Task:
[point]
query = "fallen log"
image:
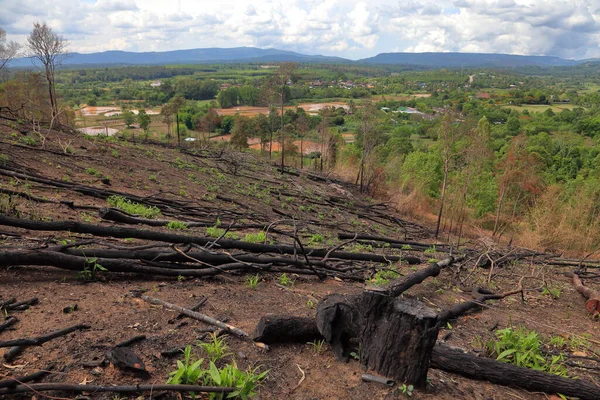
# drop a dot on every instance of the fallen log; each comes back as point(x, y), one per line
point(480, 296)
point(414, 245)
point(40, 340)
point(112, 214)
point(397, 287)
point(36, 376)
point(592, 305)
point(10, 321)
point(284, 329)
point(77, 264)
point(196, 315)
point(471, 366)
point(66, 387)
point(120, 232)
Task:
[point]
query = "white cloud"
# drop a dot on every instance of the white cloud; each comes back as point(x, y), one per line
point(350, 28)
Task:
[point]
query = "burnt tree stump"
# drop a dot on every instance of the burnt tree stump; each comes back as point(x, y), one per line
point(397, 337)
point(284, 329)
point(338, 320)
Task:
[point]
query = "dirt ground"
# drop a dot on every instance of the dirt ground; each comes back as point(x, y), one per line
point(114, 314)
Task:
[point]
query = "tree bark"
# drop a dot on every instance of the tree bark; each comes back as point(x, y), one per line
point(457, 361)
point(285, 329)
point(592, 305)
point(397, 337)
point(197, 315)
point(119, 232)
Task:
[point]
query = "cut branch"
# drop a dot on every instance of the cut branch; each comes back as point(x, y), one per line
point(196, 315)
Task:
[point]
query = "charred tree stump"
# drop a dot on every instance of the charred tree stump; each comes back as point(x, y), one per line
point(397, 337)
point(285, 329)
point(338, 320)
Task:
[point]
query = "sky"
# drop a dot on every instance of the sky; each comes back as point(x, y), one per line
point(345, 28)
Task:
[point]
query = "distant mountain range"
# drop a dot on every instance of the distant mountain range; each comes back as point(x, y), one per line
point(253, 54)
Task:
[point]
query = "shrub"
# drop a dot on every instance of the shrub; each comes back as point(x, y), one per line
point(131, 207)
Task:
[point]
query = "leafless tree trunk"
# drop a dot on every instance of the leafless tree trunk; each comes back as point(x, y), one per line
point(48, 48)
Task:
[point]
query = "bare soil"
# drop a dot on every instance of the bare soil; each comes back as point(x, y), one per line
point(107, 304)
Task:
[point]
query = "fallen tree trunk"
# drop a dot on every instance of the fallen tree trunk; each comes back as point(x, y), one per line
point(480, 296)
point(414, 245)
point(196, 315)
point(592, 305)
point(119, 232)
point(40, 340)
point(77, 264)
point(285, 329)
point(66, 387)
point(10, 321)
point(36, 376)
point(112, 214)
point(481, 368)
point(397, 287)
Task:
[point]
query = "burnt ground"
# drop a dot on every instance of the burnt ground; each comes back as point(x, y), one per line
point(241, 187)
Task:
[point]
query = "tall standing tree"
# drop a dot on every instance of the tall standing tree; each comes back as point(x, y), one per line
point(50, 50)
point(279, 83)
point(368, 137)
point(8, 50)
point(448, 136)
point(176, 104)
point(144, 121)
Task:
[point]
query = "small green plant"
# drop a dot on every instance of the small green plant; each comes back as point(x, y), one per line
point(355, 355)
point(285, 280)
point(216, 349)
point(554, 293)
point(3, 159)
point(317, 345)
point(188, 372)
point(176, 225)
point(259, 237)
point(558, 341)
point(432, 260)
point(153, 178)
point(524, 349)
point(430, 250)
point(310, 304)
point(131, 207)
point(383, 277)
point(252, 281)
point(407, 390)
point(93, 172)
point(406, 247)
point(90, 269)
point(244, 382)
point(114, 153)
point(28, 140)
point(316, 238)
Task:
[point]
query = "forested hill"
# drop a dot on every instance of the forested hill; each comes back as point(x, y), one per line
point(192, 56)
point(457, 60)
point(254, 54)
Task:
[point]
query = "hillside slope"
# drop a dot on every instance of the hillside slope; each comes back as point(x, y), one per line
point(231, 197)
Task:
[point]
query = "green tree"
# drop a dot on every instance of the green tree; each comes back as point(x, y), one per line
point(242, 129)
point(144, 121)
point(128, 118)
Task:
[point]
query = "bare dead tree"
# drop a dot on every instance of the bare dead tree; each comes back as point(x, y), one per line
point(8, 50)
point(49, 49)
